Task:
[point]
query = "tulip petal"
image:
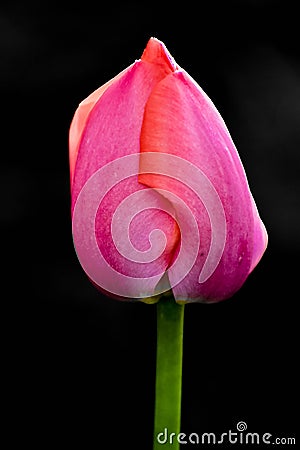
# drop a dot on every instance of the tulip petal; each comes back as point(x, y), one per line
point(157, 54)
point(260, 240)
point(108, 133)
point(80, 118)
point(181, 120)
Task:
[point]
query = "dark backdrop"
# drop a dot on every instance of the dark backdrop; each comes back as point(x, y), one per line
point(80, 366)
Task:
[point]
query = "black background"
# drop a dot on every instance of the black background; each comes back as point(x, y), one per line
point(80, 366)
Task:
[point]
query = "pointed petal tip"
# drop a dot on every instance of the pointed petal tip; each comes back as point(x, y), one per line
point(157, 53)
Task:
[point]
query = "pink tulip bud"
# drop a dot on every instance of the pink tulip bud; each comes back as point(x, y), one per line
point(160, 199)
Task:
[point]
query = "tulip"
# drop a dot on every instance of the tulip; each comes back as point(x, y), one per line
point(161, 207)
point(159, 197)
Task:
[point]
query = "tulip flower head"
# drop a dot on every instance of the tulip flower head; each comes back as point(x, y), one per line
point(159, 197)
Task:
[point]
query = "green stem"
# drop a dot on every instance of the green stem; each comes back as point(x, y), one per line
point(170, 318)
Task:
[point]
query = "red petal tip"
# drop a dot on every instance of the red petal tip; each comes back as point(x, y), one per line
point(157, 53)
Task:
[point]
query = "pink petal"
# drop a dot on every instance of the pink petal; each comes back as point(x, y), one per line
point(260, 240)
point(80, 118)
point(181, 120)
point(106, 168)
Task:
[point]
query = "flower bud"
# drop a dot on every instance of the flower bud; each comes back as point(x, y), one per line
point(159, 197)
